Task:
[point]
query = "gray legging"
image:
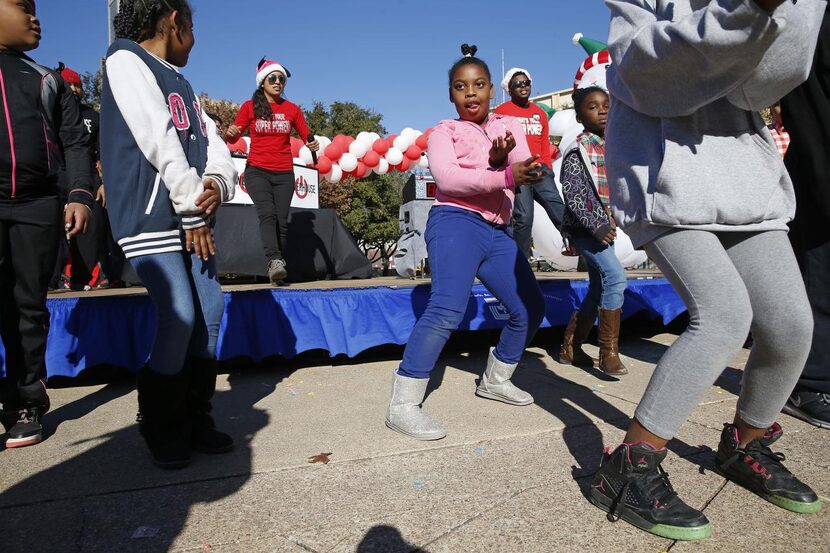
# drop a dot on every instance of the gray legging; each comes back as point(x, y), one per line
point(731, 283)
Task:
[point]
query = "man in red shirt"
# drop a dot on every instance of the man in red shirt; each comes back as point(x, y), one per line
point(517, 83)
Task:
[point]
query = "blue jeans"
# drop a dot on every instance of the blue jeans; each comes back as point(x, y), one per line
point(189, 306)
point(547, 195)
point(606, 276)
point(462, 245)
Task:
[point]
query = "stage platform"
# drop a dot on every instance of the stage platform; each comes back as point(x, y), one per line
point(115, 327)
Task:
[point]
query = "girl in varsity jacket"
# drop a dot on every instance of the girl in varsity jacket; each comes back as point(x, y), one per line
point(167, 172)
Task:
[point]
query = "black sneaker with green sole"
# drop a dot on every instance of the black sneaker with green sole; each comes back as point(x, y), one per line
point(758, 469)
point(631, 485)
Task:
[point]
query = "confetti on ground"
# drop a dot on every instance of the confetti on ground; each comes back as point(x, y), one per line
point(478, 450)
point(292, 393)
point(311, 393)
point(419, 485)
point(321, 458)
point(143, 532)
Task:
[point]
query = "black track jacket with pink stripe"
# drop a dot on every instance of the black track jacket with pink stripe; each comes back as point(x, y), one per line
point(41, 134)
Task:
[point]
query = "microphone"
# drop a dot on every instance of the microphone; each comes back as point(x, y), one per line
point(310, 138)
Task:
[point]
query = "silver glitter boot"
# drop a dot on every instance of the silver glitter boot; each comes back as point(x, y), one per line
point(495, 383)
point(405, 414)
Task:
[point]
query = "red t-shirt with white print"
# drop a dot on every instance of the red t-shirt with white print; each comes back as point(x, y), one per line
point(534, 121)
point(270, 144)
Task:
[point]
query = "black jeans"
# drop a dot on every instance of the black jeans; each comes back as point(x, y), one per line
point(547, 195)
point(272, 192)
point(29, 231)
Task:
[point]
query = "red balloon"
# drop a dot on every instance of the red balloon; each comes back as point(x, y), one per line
point(323, 164)
point(296, 144)
point(391, 138)
point(404, 165)
point(341, 142)
point(413, 152)
point(380, 146)
point(349, 140)
point(371, 158)
point(421, 141)
point(333, 151)
point(361, 170)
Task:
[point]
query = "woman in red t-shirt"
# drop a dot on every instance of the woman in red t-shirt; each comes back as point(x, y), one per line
point(269, 174)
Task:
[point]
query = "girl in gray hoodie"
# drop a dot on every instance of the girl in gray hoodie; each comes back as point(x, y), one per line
point(697, 182)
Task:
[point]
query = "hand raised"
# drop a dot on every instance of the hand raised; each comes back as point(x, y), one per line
point(527, 171)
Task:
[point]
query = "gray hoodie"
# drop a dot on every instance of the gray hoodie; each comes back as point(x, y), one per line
point(685, 146)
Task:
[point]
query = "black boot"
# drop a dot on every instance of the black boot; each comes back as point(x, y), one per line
point(631, 485)
point(204, 437)
point(759, 470)
point(162, 417)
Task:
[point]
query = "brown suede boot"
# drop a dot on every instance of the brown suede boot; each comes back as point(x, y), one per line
point(575, 335)
point(609, 349)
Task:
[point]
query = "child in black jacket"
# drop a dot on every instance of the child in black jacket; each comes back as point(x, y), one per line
point(43, 133)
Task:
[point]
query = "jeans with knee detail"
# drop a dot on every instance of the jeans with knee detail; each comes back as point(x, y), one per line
point(189, 306)
point(607, 282)
point(462, 246)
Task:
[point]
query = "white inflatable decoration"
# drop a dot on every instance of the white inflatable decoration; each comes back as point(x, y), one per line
point(305, 156)
point(546, 238)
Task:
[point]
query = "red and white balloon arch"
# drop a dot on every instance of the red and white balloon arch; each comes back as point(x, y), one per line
point(359, 156)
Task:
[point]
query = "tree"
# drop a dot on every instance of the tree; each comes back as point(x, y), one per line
point(342, 118)
point(92, 84)
point(373, 215)
point(223, 110)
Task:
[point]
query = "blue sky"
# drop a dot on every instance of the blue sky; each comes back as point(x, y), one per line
point(391, 56)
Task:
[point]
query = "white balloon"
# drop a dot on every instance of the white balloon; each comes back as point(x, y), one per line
point(348, 161)
point(382, 167)
point(335, 174)
point(374, 136)
point(394, 155)
point(367, 141)
point(305, 155)
point(402, 143)
point(423, 161)
point(408, 132)
point(361, 136)
point(298, 161)
point(323, 141)
point(358, 149)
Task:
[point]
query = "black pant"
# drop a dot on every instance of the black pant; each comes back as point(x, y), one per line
point(272, 192)
point(544, 192)
point(29, 231)
point(811, 243)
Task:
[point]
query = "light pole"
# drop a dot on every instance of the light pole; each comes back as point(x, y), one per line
point(112, 9)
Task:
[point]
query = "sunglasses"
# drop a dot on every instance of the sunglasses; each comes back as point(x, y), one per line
point(274, 78)
point(521, 84)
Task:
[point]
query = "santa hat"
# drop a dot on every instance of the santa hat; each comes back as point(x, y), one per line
point(71, 77)
point(505, 82)
point(266, 67)
point(591, 72)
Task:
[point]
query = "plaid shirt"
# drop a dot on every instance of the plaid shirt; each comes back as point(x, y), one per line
point(595, 146)
point(781, 138)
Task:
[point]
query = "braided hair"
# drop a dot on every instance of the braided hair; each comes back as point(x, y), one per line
point(137, 20)
point(468, 51)
point(580, 94)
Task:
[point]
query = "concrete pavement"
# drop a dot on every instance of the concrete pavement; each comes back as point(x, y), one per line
point(506, 479)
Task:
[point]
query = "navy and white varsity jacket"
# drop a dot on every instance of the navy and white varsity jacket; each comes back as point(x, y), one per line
point(43, 133)
point(156, 147)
